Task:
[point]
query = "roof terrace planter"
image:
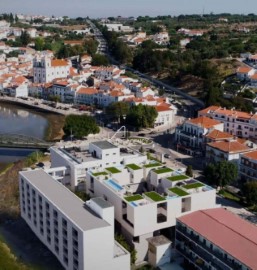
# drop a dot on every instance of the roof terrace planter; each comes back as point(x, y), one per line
point(112, 170)
point(177, 178)
point(99, 173)
point(163, 170)
point(154, 196)
point(193, 185)
point(152, 165)
point(178, 191)
point(133, 167)
point(133, 198)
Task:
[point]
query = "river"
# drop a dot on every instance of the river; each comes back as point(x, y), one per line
point(18, 120)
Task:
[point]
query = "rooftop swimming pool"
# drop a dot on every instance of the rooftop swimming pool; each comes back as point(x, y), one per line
point(133, 204)
point(114, 185)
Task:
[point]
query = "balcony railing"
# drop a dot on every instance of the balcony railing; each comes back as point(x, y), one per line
point(226, 264)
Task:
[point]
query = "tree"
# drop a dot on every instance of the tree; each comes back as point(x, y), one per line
point(141, 116)
point(80, 126)
point(25, 38)
point(118, 109)
point(189, 171)
point(100, 60)
point(221, 173)
point(39, 43)
point(250, 192)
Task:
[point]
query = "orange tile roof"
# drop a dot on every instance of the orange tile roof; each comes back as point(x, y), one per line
point(59, 63)
point(254, 76)
point(87, 91)
point(204, 121)
point(116, 93)
point(218, 135)
point(244, 70)
point(162, 108)
point(224, 111)
point(251, 155)
point(229, 146)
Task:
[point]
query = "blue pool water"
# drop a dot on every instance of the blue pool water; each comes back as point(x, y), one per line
point(114, 185)
point(207, 188)
point(171, 197)
point(133, 204)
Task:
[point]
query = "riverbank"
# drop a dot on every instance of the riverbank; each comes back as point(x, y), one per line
point(55, 121)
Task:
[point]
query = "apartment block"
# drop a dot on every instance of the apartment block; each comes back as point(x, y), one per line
point(94, 155)
point(79, 234)
point(216, 239)
point(237, 123)
point(248, 166)
point(148, 197)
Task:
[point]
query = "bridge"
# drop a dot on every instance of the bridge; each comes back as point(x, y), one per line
point(22, 141)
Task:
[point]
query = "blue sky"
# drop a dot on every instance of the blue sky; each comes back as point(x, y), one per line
point(105, 8)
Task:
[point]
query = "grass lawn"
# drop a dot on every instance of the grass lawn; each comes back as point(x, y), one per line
point(177, 178)
point(133, 166)
point(178, 191)
point(113, 170)
point(193, 185)
point(163, 170)
point(99, 173)
point(152, 165)
point(229, 195)
point(154, 196)
point(133, 198)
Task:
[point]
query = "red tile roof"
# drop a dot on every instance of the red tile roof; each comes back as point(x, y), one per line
point(229, 146)
point(204, 121)
point(218, 135)
point(58, 63)
point(87, 91)
point(227, 231)
point(251, 155)
point(162, 108)
point(244, 70)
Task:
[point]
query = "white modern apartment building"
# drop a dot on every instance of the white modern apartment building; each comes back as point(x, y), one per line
point(46, 69)
point(95, 155)
point(148, 198)
point(80, 234)
point(237, 123)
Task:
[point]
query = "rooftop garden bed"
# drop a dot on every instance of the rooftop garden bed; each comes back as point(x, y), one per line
point(163, 170)
point(177, 178)
point(154, 196)
point(133, 166)
point(194, 185)
point(180, 192)
point(99, 173)
point(112, 170)
point(133, 198)
point(152, 165)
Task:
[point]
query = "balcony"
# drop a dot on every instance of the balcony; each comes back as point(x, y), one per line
point(223, 262)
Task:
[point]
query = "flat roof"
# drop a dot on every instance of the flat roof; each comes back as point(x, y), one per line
point(159, 240)
point(226, 230)
point(101, 202)
point(64, 200)
point(104, 145)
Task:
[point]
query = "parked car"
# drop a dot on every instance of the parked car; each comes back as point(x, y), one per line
point(166, 155)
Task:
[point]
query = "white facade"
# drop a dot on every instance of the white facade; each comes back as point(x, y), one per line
point(237, 123)
point(165, 117)
point(80, 235)
point(132, 213)
point(93, 156)
point(45, 70)
point(19, 91)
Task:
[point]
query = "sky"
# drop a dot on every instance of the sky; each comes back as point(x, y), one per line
point(126, 8)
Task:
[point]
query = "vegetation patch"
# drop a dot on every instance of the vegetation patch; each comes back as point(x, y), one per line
point(112, 170)
point(154, 196)
point(163, 170)
point(133, 198)
point(133, 167)
point(193, 185)
point(226, 194)
point(100, 173)
point(178, 191)
point(177, 178)
point(152, 165)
